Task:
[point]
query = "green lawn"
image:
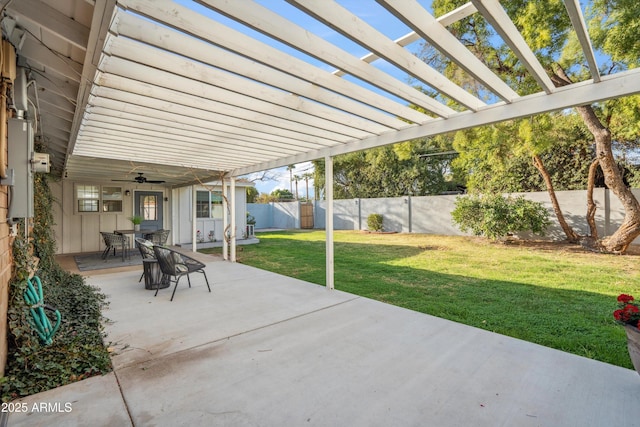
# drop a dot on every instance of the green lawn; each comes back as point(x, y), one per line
point(561, 297)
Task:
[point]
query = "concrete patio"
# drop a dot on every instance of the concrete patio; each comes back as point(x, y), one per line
point(267, 350)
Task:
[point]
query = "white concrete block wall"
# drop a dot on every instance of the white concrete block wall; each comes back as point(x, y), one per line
point(432, 214)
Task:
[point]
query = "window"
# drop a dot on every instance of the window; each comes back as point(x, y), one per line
point(111, 199)
point(208, 204)
point(88, 198)
point(202, 204)
point(96, 198)
point(149, 208)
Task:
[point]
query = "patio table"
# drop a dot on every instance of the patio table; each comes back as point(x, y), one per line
point(134, 233)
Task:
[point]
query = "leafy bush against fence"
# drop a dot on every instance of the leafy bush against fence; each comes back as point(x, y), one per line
point(496, 216)
point(374, 222)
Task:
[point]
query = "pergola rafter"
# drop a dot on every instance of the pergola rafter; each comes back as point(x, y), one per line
point(252, 85)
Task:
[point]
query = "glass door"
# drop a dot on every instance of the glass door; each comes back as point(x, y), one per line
point(148, 204)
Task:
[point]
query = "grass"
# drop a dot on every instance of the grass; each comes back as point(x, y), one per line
point(555, 295)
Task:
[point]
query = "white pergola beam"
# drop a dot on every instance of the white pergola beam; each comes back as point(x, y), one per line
point(53, 21)
point(244, 145)
point(580, 27)
point(56, 122)
point(583, 93)
point(166, 144)
point(273, 25)
point(56, 101)
point(328, 197)
point(423, 23)
point(64, 88)
point(225, 220)
point(263, 113)
point(312, 137)
point(213, 141)
point(189, 21)
point(33, 50)
point(232, 190)
point(340, 19)
point(53, 109)
point(493, 12)
point(283, 86)
point(118, 150)
point(175, 120)
point(194, 218)
point(218, 100)
point(445, 20)
point(102, 14)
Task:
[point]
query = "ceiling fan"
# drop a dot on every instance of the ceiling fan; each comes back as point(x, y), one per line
point(140, 179)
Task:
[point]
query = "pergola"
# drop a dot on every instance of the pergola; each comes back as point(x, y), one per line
point(213, 88)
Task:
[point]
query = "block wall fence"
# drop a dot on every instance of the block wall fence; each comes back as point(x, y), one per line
point(432, 214)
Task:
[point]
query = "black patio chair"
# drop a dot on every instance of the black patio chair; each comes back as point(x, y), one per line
point(158, 237)
point(146, 251)
point(174, 265)
point(114, 241)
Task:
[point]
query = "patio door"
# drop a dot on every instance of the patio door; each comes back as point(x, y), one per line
point(148, 204)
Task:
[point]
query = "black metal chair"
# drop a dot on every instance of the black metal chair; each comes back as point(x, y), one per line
point(146, 251)
point(114, 241)
point(174, 264)
point(158, 237)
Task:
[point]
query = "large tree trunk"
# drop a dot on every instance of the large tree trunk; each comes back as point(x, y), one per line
point(619, 241)
point(630, 228)
point(572, 236)
point(591, 205)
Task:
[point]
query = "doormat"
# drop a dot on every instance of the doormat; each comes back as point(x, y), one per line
point(94, 261)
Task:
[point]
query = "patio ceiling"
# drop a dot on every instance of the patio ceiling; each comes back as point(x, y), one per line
point(193, 90)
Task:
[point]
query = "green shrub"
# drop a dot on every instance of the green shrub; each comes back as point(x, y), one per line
point(374, 222)
point(496, 216)
point(78, 349)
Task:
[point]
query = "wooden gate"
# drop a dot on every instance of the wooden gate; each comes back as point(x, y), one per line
point(306, 215)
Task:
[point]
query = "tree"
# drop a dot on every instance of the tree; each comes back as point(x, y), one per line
point(546, 28)
point(411, 168)
point(491, 152)
point(252, 194)
point(490, 168)
point(265, 198)
point(290, 168)
point(296, 179)
point(307, 176)
point(282, 195)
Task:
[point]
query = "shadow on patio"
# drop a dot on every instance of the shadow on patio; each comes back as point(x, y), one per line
point(263, 349)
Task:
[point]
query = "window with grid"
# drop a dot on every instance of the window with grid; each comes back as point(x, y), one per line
point(95, 198)
point(202, 204)
point(208, 204)
point(88, 197)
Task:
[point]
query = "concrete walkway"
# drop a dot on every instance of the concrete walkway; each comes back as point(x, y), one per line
point(267, 350)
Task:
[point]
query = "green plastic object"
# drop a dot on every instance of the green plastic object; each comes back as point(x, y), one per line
point(39, 319)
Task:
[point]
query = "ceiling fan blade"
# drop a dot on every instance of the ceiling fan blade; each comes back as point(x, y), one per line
point(149, 181)
point(123, 180)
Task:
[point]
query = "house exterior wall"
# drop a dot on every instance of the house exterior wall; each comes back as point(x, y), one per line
point(6, 264)
point(80, 232)
point(182, 201)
